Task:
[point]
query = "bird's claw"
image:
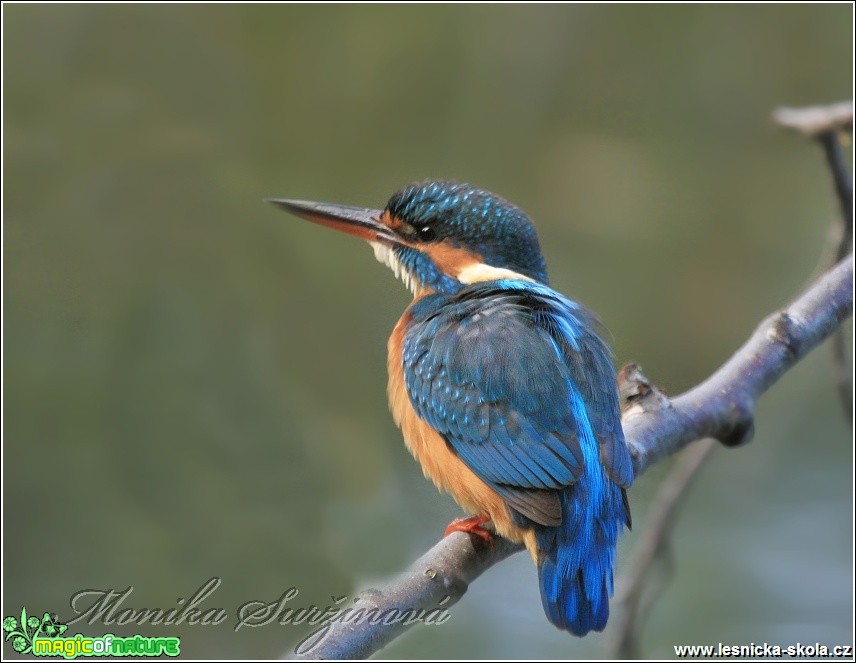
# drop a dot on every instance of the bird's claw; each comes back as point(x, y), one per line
point(471, 525)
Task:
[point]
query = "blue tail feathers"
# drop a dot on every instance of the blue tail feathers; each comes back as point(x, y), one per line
point(575, 569)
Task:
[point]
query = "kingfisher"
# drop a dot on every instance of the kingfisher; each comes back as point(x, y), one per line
point(504, 389)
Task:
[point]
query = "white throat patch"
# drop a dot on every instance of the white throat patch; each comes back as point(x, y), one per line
point(386, 255)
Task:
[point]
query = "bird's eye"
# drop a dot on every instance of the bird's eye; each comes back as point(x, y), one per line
point(426, 233)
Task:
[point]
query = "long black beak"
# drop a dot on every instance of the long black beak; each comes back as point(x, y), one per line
point(358, 221)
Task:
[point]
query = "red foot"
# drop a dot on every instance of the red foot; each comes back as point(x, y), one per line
point(471, 525)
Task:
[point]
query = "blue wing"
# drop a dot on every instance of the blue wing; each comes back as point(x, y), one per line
point(499, 369)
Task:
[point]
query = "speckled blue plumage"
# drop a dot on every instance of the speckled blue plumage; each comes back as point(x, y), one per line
point(515, 378)
point(468, 216)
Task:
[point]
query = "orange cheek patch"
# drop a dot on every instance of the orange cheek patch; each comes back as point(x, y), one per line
point(451, 260)
point(391, 222)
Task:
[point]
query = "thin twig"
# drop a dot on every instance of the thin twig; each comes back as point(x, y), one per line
point(843, 183)
point(826, 124)
point(844, 191)
point(814, 120)
point(842, 374)
point(653, 546)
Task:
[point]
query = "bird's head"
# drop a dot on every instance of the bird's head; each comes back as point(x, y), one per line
point(439, 235)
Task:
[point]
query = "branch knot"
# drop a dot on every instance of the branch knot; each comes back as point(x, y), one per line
point(784, 330)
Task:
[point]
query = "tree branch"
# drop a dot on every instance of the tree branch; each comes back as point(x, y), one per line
point(722, 407)
point(826, 124)
point(650, 566)
point(424, 592)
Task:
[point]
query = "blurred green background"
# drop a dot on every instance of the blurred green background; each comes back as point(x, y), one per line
point(195, 382)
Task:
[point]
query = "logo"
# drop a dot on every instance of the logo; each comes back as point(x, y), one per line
point(22, 634)
point(46, 637)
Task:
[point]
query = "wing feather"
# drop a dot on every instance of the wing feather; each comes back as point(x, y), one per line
point(498, 369)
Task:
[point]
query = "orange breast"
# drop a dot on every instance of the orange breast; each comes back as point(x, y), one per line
point(439, 462)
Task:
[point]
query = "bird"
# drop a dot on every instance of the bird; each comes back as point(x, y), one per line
point(504, 389)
